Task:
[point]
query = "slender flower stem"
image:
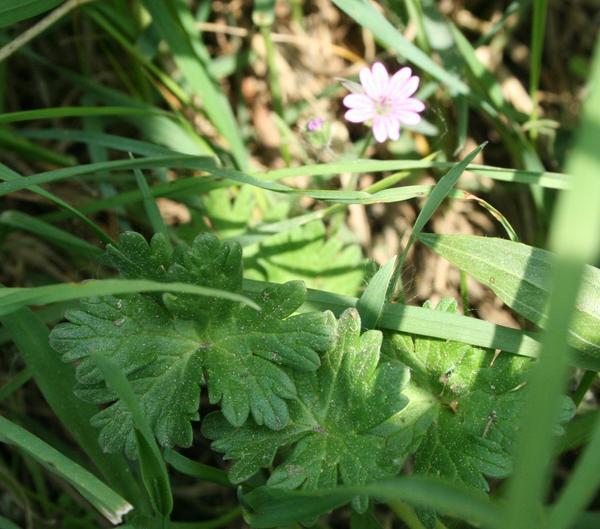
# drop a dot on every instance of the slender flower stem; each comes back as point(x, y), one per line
point(367, 143)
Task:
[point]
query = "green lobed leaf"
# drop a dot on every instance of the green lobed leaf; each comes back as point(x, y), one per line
point(521, 276)
point(330, 439)
point(465, 402)
point(306, 253)
point(168, 344)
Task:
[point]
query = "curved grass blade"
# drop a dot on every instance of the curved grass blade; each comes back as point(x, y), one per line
point(110, 504)
point(275, 507)
point(178, 160)
point(426, 322)
point(44, 230)
point(166, 17)
point(197, 470)
point(110, 141)
point(56, 380)
point(152, 211)
point(12, 11)
point(152, 466)
point(7, 174)
point(541, 178)
point(64, 112)
point(12, 299)
point(434, 200)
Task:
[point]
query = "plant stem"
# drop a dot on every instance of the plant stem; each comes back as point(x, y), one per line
point(584, 384)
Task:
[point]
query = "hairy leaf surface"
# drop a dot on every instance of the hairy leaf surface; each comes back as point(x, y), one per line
point(168, 345)
point(331, 437)
point(464, 410)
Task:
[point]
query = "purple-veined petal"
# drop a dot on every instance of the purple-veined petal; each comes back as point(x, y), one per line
point(379, 129)
point(368, 83)
point(358, 115)
point(409, 118)
point(408, 88)
point(381, 79)
point(398, 80)
point(358, 101)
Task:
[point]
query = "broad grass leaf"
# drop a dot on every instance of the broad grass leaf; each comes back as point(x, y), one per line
point(521, 276)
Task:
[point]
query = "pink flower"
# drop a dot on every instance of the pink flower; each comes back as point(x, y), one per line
point(385, 101)
point(314, 124)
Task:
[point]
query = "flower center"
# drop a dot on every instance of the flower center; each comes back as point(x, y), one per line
point(384, 106)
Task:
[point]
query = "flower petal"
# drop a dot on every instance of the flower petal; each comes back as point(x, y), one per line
point(368, 82)
point(393, 128)
point(381, 78)
point(358, 115)
point(411, 104)
point(408, 118)
point(358, 101)
point(398, 80)
point(379, 129)
point(408, 88)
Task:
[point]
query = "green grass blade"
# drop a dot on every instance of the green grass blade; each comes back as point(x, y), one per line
point(7, 174)
point(180, 187)
point(578, 432)
point(12, 299)
point(540, 8)
point(12, 11)
point(110, 141)
point(215, 104)
point(370, 303)
point(541, 178)
point(370, 18)
point(181, 160)
point(575, 240)
point(435, 199)
point(5, 523)
point(30, 151)
point(64, 112)
point(152, 465)
point(521, 276)
point(197, 470)
point(582, 486)
point(110, 504)
point(44, 230)
point(139, 57)
point(275, 507)
point(426, 322)
point(486, 83)
point(439, 193)
point(152, 211)
point(56, 381)
point(17, 381)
